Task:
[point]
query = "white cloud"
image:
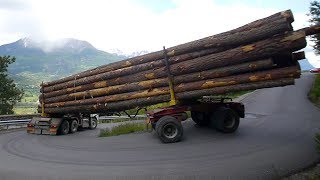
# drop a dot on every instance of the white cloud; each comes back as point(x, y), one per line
point(125, 25)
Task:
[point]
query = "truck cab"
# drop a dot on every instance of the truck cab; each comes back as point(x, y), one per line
point(61, 125)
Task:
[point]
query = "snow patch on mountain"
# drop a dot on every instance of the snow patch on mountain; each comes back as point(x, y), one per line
point(128, 54)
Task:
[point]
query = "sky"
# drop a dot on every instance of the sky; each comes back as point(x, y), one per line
point(135, 25)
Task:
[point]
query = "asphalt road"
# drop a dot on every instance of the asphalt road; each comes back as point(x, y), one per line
point(275, 139)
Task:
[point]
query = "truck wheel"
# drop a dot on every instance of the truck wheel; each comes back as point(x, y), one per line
point(200, 118)
point(73, 126)
point(64, 127)
point(169, 129)
point(94, 123)
point(225, 120)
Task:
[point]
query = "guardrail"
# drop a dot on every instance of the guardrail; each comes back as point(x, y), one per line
point(7, 121)
point(16, 117)
point(15, 121)
point(19, 122)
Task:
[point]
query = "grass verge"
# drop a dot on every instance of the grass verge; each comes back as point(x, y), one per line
point(314, 94)
point(25, 110)
point(123, 129)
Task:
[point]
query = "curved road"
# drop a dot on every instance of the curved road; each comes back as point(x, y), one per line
point(276, 138)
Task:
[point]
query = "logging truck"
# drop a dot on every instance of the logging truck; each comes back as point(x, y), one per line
point(260, 54)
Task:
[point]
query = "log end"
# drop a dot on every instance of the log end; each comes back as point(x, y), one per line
point(288, 15)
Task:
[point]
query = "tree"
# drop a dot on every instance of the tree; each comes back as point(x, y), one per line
point(315, 20)
point(9, 93)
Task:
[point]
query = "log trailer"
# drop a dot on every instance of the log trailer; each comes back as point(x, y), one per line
point(219, 113)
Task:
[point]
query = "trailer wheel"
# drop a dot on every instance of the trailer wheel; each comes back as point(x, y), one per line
point(200, 118)
point(169, 129)
point(94, 123)
point(225, 120)
point(64, 127)
point(73, 126)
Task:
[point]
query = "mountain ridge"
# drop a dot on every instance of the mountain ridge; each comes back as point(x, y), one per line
point(66, 55)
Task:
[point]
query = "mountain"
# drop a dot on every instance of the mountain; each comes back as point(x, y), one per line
point(38, 61)
point(62, 57)
point(305, 65)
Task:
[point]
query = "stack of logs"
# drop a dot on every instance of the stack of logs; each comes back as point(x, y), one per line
point(257, 55)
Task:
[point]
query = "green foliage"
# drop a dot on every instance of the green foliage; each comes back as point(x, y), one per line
point(236, 94)
point(123, 129)
point(315, 20)
point(314, 94)
point(9, 93)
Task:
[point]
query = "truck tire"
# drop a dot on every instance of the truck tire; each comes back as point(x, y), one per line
point(225, 120)
point(200, 118)
point(73, 126)
point(64, 127)
point(94, 123)
point(169, 129)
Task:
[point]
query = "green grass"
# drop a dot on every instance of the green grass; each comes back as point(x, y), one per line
point(24, 110)
point(237, 94)
point(123, 129)
point(28, 104)
point(314, 94)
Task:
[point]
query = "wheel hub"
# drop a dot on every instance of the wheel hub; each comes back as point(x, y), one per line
point(229, 122)
point(170, 131)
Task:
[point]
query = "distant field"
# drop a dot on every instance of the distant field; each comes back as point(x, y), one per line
point(28, 104)
point(25, 110)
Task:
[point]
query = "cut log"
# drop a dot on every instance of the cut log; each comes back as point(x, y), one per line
point(129, 104)
point(311, 30)
point(298, 56)
point(288, 42)
point(89, 91)
point(254, 31)
point(183, 87)
point(139, 68)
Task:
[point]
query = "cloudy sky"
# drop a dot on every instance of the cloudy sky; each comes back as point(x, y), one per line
point(132, 25)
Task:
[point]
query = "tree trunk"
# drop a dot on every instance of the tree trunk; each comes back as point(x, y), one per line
point(288, 42)
point(183, 87)
point(129, 104)
point(311, 30)
point(86, 91)
point(298, 56)
point(257, 30)
point(112, 87)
